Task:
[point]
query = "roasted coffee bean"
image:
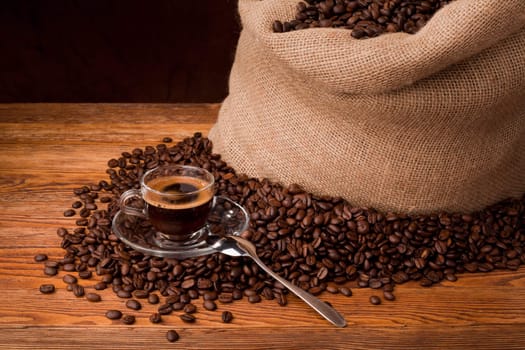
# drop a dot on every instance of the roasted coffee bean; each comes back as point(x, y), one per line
point(209, 305)
point(86, 274)
point(190, 308)
point(40, 257)
point(47, 288)
point(69, 213)
point(172, 336)
point(155, 318)
point(50, 271)
point(69, 279)
point(165, 309)
point(389, 296)
point(188, 318)
point(225, 298)
point(226, 316)
point(133, 304)
point(114, 314)
point(153, 299)
point(128, 319)
point(364, 18)
point(318, 243)
point(347, 292)
point(256, 298)
point(167, 139)
point(141, 294)
point(375, 300)
point(125, 294)
point(78, 290)
point(93, 297)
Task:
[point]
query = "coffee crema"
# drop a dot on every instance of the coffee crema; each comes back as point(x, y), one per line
point(178, 205)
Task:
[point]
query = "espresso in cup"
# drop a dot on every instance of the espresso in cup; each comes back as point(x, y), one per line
point(178, 205)
point(178, 200)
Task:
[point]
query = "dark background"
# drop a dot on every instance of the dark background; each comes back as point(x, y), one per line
point(116, 50)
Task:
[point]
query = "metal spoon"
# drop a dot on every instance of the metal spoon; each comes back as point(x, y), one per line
point(237, 246)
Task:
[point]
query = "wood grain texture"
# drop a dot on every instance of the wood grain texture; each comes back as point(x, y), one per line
point(47, 150)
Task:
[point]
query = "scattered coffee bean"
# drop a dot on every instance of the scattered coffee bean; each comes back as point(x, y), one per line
point(172, 336)
point(153, 299)
point(190, 308)
point(188, 318)
point(347, 292)
point(389, 296)
point(50, 271)
point(141, 294)
point(114, 314)
point(69, 213)
point(40, 257)
point(320, 243)
point(93, 297)
point(47, 288)
point(133, 304)
point(375, 300)
point(86, 274)
point(128, 319)
point(100, 286)
point(69, 279)
point(77, 290)
point(155, 318)
point(209, 305)
point(227, 316)
point(167, 140)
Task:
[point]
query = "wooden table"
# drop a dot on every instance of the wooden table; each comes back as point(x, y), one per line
point(47, 150)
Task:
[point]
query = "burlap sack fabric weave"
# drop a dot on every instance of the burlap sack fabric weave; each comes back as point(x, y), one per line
point(407, 123)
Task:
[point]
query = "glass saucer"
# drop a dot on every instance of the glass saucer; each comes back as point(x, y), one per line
point(226, 218)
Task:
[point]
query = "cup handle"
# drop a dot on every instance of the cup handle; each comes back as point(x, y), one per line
point(125, 208)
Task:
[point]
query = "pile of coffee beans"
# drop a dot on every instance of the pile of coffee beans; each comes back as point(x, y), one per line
point(320, 243)
point(365, 18)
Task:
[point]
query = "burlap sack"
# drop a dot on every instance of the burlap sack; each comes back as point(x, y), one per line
point(407, 123)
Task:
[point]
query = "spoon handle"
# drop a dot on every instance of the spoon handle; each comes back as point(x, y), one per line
point(321, 307)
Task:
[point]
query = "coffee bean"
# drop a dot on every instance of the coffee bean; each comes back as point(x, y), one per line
point(69, 213)
point(172, 336)
point(114, 314)
point(165, 309)
point(124, 294)
point(69, 279)
point(227, 316)
point(40, 257)
point(209, 305)
point(133, 304)
point(128, 319)
point(93, 297)
point(47, 288)
point(389, 296)
point(100, 286)
point(50, 271)
point(167, 140)
point(319, 243)
point(347, 292)
point(86, 274)
point(188, 318)
point(153, 299)
point(190, 308)
point(78, 290)
point(369, 16)
point(155, 318)
point(375, 300)
point(141, 294)
point(254, 299)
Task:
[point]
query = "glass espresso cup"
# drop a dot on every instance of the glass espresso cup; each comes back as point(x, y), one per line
point(177, 200)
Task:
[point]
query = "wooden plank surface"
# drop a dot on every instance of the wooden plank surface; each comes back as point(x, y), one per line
point(49, 149)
